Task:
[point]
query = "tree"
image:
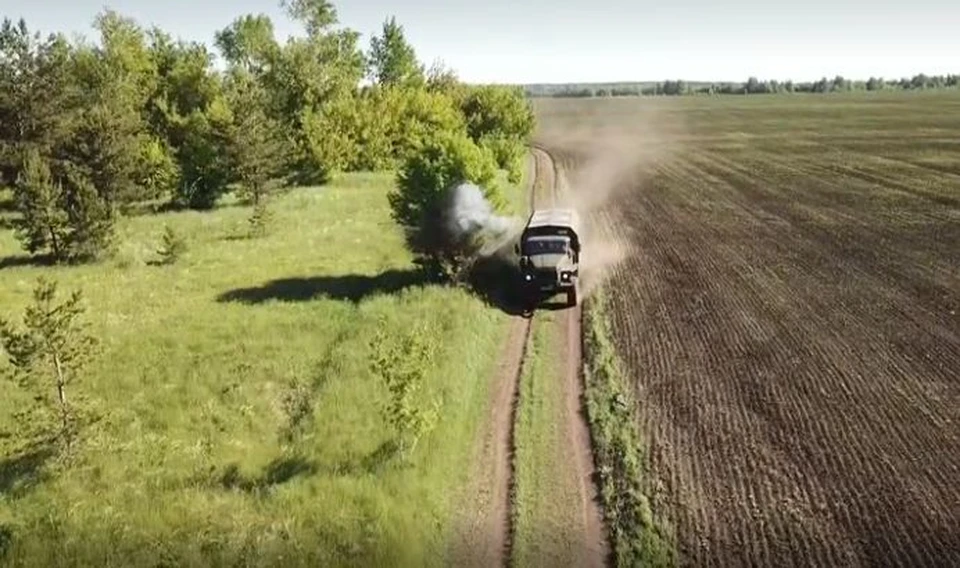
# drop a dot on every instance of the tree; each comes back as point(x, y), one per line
point(501, 119)
point(255, 146)
point(203, 155)
point(248, 42)
point(498, 111)
point(392, 59)
point(38, 95)
point(172, 246)
point(402, 367)
point(65, 217)
point(91, 218)
point(423, 185)
point(43, 223)
point(51, 350)
point(316, 15)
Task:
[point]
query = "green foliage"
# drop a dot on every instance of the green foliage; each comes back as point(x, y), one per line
point(260, 220)
point(92, 221)
point(423, 185)
point(501, 119)
point(43, 226)
point(392, 59)
point(402, 366)
point(509, 154)
point(203, 158)
point(172, 246)
point(315, 15)
point(255, 145)
point(49, 353)
point(158, 171)
point(65, 218)
point(637, 537)
point(497, 111)
point(142, 117)
point(248, 42)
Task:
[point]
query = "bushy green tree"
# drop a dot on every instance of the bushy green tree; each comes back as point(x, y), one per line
point(423, 185)
point(203, 156)
point(501, 119)
point(495, 110)
point(37, 95)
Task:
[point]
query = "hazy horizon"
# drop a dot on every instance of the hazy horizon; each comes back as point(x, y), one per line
point(559, 42)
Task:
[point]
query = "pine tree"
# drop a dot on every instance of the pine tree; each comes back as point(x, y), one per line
point(43, 223)
point(255, 145)
point(172, 246)
point(50, 352)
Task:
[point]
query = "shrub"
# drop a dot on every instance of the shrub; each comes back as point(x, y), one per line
point(423, 183)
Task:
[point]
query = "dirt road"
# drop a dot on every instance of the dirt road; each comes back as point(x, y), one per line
point(485, 520)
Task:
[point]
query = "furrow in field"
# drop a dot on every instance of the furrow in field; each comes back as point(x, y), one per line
point(742, 330)
point(709, 253)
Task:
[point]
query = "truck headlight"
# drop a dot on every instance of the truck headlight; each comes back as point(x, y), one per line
point(528, 277)
point(565, 276)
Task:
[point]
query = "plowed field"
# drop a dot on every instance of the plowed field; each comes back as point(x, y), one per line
point(790, 314)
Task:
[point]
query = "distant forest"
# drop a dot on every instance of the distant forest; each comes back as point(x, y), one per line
point(751, 86)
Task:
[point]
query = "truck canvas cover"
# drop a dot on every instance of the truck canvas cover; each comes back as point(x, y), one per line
point(564, 222)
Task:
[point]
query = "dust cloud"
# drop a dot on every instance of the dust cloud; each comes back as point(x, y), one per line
point(601, 165)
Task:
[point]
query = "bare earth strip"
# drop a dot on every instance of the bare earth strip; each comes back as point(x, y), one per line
point(579, 462)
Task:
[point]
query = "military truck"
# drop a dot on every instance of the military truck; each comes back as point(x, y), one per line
point(549, 251)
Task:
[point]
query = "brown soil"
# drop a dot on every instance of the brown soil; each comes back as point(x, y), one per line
point(791, 325)
point(483, 534)
point(580, 457)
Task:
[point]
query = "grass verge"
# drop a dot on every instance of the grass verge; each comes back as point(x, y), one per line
point(545, 512)
point(637, 538)
point(240, 419)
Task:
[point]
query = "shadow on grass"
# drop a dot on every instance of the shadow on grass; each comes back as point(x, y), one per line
point(21, 472)
point(19, 260)
point(349, 287)
point(278, 472)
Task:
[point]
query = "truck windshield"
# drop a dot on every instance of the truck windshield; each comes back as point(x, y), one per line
point(544, 246)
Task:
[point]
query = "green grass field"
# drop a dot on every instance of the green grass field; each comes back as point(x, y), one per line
point(189, 464)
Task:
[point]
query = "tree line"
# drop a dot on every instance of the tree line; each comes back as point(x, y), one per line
point(93, 131)
point(751, 86)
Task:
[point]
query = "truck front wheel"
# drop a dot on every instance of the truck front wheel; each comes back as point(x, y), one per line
point(572, 297)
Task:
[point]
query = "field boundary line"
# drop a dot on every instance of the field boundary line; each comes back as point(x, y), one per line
point(637, 537)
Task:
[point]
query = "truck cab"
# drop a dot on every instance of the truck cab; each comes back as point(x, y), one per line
point(549, 255)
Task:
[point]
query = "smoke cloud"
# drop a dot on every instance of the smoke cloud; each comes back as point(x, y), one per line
point(470, 218)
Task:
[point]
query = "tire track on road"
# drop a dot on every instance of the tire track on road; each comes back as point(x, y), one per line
point(486, 532)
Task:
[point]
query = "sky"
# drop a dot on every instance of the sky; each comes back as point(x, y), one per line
point(540, 41)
